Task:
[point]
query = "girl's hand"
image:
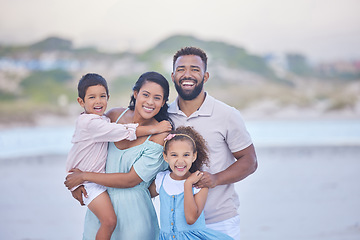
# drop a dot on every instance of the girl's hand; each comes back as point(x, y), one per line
point(194, 177)
point(75, 178)
point(208, 180)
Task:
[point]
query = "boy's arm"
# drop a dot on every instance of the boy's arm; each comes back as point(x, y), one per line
point(163, 126)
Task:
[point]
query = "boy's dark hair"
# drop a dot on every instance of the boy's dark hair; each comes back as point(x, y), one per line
point(88, 80)
point(199, 147)
point(191, 51)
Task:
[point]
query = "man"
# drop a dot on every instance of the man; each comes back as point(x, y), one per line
point(232, 154)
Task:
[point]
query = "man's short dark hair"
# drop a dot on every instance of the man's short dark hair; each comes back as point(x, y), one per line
point(191, 51)
point(88, 80)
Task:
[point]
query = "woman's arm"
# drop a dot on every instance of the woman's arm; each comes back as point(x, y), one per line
point(194, 204)
point(159, 138)
point(152, 190)
point(114, 113)
point(115, 180)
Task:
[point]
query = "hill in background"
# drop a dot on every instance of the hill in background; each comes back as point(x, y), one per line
point(40, 79)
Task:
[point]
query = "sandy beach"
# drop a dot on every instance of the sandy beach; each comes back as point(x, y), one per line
point(297, 193)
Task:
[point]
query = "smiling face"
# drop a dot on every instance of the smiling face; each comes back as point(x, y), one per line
point(95, 100)
point(189, 76)
point(180, 156)
point(149, 99)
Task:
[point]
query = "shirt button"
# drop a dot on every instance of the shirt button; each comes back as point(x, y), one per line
point(173, 236)
point(172, 223)
point(173, 196)
point(172, 209)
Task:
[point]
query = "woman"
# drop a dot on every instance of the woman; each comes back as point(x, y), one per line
point(132, 165)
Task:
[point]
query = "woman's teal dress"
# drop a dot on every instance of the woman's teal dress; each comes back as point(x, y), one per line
point(136, 216)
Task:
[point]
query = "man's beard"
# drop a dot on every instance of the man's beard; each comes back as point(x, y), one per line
point(189, 95)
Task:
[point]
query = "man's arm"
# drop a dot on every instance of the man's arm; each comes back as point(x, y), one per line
point(246, 164)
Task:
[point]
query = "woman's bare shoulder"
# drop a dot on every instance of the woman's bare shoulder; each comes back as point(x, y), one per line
point(159, 138)
point(114, 113)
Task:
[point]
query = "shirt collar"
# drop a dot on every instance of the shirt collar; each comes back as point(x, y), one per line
point(205, 109)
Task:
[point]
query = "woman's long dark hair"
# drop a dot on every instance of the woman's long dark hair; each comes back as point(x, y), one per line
point(161, 80)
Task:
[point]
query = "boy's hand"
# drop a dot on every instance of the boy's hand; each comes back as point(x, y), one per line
point(78, 194)
point(163, 126)
point(194, 177)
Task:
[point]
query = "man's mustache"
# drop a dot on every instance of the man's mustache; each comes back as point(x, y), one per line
point(188, 78)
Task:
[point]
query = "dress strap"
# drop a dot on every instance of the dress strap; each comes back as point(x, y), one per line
point(122, 114)
point(162, 181)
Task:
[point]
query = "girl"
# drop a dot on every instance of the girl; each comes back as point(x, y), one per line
point(181, 205)
point(132, 165)
point(92, 134)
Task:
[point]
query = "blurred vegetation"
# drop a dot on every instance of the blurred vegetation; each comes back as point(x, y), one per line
point(232, 56)
point(41, 92)
point(298, 64)
point(6, 96)
point(42, 77)
point(52, 43)
point(46, 86)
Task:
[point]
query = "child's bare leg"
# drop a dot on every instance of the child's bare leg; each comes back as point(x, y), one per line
point(102, 207)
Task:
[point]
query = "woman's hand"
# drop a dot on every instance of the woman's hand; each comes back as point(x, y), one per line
point(75, 178)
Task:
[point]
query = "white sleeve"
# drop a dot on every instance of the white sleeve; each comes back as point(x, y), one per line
point(237, 136)
point(196, 190)
point(158, 180)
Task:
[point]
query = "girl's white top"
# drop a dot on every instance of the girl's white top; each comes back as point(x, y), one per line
point(171, 186)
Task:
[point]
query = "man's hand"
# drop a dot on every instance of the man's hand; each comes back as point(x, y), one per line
point(208, 180)
point(78, 194)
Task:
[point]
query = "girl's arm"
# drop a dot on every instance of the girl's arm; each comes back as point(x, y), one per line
point(194, 204)
point(115, 180)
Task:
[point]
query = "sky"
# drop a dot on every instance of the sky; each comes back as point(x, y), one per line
point(322, 30)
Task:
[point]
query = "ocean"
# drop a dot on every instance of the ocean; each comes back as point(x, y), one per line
point(40, 141)
point(305, 187)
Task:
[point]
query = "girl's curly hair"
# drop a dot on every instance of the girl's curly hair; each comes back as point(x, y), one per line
point(183, 134)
